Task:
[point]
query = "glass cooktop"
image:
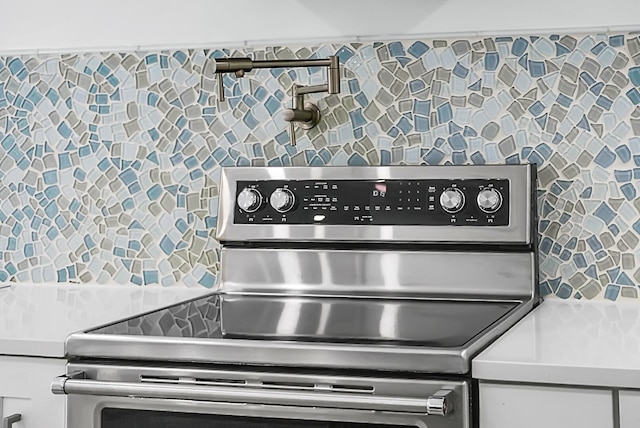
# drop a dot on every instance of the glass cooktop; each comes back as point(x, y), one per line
point(434, 323)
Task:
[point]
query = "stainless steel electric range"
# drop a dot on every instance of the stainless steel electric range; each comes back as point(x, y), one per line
point(347, 297)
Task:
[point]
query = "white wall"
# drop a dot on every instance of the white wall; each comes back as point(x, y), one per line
point(79, 25)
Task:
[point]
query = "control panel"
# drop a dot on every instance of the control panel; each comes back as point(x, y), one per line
point(436, 202)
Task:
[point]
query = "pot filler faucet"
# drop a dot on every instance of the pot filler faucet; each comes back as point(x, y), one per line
point(306, 115)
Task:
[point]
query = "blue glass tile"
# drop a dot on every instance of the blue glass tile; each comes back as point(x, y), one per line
point(403, 124)
point(51, 192)
point(166, 245)
point(594, 243)
point(605, 158)
point(64, 160)
point(605, 213)
point(154, 192)
point(624, 279)
point(613, 273)
point(53, 96)
point(604, 102)
point(634, 75)
point(393, 132)
point(636, 173)
point(587, 78)
point(357, 119)
point(611, 292)
point(542, 120)
point(537, 68)
point(634, 96)
point(629, 191)
point(250, 120)
point(282, 138)
point(544, 289)
point(433, 157)
point(564, 218)
point(361, 99)
point(64, 129)
point(636, 226)
point(180, 56)
point(128, 176)
point(513, 159)
point(598, 48)
point(385, 157)
point(537, 108)
point(422, 107)
point(344, 53)
point(564, 291)
point(519, 46)
point(597, 88)
point(418, 49)
point(396, 49)
point(356, 160)
point(469, 132)
point(150, 276)
point(535, 158)
point(457, 142)
point(421, 123)
point(417, 85)
point(564, 100)
point(572, 244)
point(586, 193)
point(557, 138)
point(460, 71)
point(459, 158)
point(445, 114)
point(403, 60)
point(15, 65)
point(615, 230)
point(624, 153)
point(207, 280)
point(476, 86)
point(524, 61)
point(561, 49)
point(272, 105)
point(556, 248)
point(545, 245)
point(491, 60)
point(50, 177)
point(591, 271)
point(584, 123)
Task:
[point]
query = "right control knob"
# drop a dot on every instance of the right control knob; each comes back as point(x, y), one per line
point(489, 200)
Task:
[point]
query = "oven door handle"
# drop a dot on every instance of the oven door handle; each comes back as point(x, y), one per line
point(265, 396)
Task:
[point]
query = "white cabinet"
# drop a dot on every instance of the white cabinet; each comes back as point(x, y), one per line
point(534, 406)
point(629, 409)
point(25, 389)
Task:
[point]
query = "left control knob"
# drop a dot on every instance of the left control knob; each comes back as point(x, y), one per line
point(282, 200)
point(249, 200)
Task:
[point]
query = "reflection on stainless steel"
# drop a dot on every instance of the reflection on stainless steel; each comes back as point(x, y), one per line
point(363, 272)
point(436, 323)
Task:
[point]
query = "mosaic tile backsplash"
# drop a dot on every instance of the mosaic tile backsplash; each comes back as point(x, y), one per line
point(109, 162)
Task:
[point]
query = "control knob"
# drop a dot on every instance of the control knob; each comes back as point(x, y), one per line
point(489, 200)
point(452, 200)
point(282, 200)
point(249, 200)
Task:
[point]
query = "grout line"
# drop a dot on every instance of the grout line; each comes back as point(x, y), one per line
point(260, 43)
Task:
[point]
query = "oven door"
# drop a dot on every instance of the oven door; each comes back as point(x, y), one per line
point(107, 396)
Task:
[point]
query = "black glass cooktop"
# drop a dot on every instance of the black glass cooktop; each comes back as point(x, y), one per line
point(435, 323)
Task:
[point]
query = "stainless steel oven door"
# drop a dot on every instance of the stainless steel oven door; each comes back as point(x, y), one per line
point(116, 396)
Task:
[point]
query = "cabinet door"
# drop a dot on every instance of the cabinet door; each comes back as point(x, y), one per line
point(26, 390)
point(533, 406)
point(629, 409)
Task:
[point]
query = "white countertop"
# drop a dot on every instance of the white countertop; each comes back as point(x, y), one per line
point(35, 320)
point(568, 342)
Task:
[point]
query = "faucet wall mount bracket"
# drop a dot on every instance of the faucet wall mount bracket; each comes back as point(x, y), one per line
point(306, 115)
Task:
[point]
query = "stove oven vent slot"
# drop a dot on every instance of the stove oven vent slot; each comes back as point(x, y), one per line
point(176, 380)
point(368, 389)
